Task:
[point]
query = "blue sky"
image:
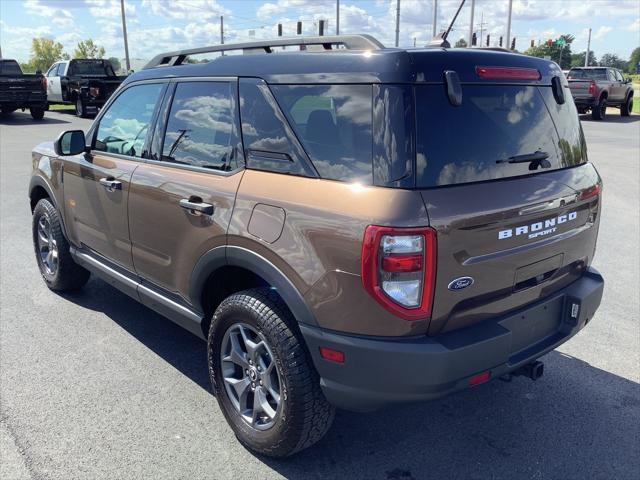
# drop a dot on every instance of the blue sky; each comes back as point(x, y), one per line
point(160, 25)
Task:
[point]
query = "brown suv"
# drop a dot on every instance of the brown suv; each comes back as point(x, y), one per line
point(346, 225)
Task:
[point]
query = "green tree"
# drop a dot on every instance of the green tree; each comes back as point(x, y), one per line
point(462, 43)
point(559, 50)
point(612, 60)
point(44, 53)
point(577, 59)
point(633, 60)
point(115, 63)
point(88, 49)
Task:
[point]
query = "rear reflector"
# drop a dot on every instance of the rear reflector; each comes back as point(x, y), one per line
point(332, 355)
point(480, 378)
point(402, 263)
point(508, 73)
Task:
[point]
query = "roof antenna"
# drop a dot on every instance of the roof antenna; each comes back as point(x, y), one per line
point(441, 39)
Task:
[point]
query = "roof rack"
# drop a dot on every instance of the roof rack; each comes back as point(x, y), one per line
point(350, 42)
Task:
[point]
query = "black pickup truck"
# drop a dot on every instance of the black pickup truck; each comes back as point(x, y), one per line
point(20, 91)
point(86, 83)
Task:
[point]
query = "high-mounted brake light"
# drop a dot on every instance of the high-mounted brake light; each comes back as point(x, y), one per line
point(508, 73)
point(592, 88)
point(399, 269)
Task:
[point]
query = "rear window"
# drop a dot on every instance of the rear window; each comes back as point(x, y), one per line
point(91, 67)
point(588, 74)
point(333, 122)
point(494, 126)
point(10, 68)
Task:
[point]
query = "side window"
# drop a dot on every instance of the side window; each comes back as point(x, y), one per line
point(200, 129)
point(60, 69)
point(334, 125)
point(124, 126)
point(611, 75)
point(619, 75)
point(269, 142)
point(53, 70)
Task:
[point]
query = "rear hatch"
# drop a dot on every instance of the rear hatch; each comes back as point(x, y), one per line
point(508, 188)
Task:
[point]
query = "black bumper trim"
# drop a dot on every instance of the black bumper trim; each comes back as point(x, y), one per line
point(381, 371)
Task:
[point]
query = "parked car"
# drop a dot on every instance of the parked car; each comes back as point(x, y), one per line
point(20, 91)
point(349, 229)
point(596, 88)
point(86, 83)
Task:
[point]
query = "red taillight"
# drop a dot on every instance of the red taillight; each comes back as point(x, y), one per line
point(508, 73)
point(94, 91)
point(590, 192)
point(402, 263)
point(43, 83)
point(480, 378)
point(592, 88)
point(399, 269)
point(332, 355)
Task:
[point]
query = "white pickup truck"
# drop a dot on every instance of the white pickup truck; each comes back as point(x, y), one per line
point(86, 83)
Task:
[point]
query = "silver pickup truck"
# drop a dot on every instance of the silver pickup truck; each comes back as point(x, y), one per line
point(596, 88)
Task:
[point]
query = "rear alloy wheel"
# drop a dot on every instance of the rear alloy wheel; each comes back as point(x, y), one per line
point(81, 110)
point(627, 106)
point(600, 111)
point(37, 113)
point(263, 377)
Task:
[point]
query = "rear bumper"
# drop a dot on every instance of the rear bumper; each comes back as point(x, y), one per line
point(382, 371)
point(585, 102)
point(14, 103)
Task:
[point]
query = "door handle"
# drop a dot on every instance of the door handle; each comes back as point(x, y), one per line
point(194, 204)
point(111, 184)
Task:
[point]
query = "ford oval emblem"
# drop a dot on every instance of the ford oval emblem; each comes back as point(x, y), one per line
point(460, 283)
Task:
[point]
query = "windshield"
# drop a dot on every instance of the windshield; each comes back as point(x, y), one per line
point(588, 74)
point(91, 67)
point(499, 131)
point(10, 68)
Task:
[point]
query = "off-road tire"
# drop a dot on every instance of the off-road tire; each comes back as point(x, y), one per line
point(37, 113)
point(600, 111)
point(627, 107)
point(81, 109)
point(305, 414)
point(69, 276)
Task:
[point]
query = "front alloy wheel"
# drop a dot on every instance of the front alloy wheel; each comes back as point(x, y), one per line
point(250, 376)
point(47, 246)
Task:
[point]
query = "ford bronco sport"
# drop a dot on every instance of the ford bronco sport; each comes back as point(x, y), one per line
point(347, 225)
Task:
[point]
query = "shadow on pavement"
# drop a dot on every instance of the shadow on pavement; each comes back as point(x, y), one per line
point(578, 421)
point(23, 118)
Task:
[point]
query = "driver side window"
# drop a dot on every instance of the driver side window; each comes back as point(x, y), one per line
point(124, 127)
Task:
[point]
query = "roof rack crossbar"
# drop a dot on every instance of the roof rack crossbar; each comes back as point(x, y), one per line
point(350, 42)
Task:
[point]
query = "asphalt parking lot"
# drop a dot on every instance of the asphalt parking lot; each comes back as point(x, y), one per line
point(96, 386)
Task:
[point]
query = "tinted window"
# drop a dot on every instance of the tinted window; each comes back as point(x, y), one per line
point(10, 68)
point(334, 124)
point(60, 70)
point(269, 142)
point(588, 74)
point(200, 127)
point(619, 75)
point(124, 126)
point(478, 140)
point(90, 67)
point(53, 71)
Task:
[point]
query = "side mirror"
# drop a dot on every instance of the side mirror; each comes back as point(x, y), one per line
point(71, 142)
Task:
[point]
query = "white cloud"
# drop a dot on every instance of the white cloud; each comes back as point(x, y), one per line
point(189, 10)
point(102, 9)
point(602, 32)
point(267, 10)
point(46, 9)
point(635, 26)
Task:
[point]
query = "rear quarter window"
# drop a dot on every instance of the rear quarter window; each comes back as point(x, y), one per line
point(333, 122)
point(476, 141)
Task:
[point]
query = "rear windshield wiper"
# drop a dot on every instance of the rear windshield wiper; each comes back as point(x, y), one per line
point(537, 158)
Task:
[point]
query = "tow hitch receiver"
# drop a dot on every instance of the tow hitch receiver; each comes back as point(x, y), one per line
point(533, 370)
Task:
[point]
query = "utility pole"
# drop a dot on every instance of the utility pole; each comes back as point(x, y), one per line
point(473, 7)
point(481, 26)
point(586, 57)
point(397, 22)
point(337, 17)
point(509, 23)
point(435, 17)
point(126, 43)
point(221, 30)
